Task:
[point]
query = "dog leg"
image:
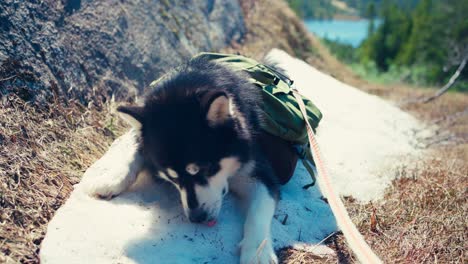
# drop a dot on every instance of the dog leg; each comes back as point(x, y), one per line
point(256, 246)
point(116, 170)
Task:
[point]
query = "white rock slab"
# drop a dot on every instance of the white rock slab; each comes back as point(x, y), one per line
point(360, 135)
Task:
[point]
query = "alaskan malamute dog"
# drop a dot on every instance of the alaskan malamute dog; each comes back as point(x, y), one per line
point(198, 129)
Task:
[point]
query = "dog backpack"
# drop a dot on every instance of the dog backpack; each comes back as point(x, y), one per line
point(291, 119)
point(284, 125)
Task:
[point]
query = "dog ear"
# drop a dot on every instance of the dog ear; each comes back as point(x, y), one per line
point(218, 107)
point(132, 114)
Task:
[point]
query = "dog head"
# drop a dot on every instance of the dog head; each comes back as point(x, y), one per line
point(196, 141)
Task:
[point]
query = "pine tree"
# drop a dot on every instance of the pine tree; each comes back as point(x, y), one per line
point(384, 45)
point(371, 14)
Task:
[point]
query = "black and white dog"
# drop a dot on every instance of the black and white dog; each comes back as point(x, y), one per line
point(198, 128)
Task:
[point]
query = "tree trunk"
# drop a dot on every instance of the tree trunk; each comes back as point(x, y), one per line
point(450, 82)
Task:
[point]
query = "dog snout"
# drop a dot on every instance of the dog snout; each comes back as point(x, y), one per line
point(198, 215)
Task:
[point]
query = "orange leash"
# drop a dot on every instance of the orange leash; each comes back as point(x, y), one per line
point(355, 240)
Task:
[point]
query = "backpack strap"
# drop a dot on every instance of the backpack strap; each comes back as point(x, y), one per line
point(303, 152)
point(355, 240)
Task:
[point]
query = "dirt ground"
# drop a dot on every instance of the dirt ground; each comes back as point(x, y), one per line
point(422, 219)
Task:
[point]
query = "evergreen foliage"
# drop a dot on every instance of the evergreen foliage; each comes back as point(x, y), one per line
point(434, 35)
point(316, 9)
point(383, 45)
point(363, 5)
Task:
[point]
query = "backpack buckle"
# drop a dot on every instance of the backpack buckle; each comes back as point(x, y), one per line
point(276, 80)
point(280, 76)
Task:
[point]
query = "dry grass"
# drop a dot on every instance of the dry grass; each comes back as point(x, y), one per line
point(296, 256)
point(423, 218)
point(43, 152)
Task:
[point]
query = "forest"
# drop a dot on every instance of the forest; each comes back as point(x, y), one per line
point(319, 9)
point(327, 9)
point(418, 42)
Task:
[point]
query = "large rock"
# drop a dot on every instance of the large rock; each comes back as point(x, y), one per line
point(80, 45)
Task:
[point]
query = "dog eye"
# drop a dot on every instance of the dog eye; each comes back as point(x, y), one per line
point(192, 169)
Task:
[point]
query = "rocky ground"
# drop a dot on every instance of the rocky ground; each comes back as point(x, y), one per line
point(74, 47)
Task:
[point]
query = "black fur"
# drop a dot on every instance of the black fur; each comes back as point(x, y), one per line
point(175, 131)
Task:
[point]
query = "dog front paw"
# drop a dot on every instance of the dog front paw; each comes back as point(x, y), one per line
point(257, 252)
point(104, 188)
point(114, 172)
point(106, 183)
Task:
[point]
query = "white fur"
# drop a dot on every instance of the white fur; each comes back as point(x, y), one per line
point(210, 196)
point(183, 199)
point(236, 114)
point(172, 173)
point(164, 176)
point(115, 177)
point(256, 246)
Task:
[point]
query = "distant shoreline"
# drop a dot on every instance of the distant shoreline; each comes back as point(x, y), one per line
point(345, 31)
point(347, 17)
point(339, 17)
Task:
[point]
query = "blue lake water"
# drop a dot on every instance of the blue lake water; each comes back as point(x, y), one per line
point(345, 31)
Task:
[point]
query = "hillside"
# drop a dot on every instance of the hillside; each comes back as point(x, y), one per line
point(44, 150)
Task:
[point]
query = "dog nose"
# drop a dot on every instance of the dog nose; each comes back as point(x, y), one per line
point(198, 215)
